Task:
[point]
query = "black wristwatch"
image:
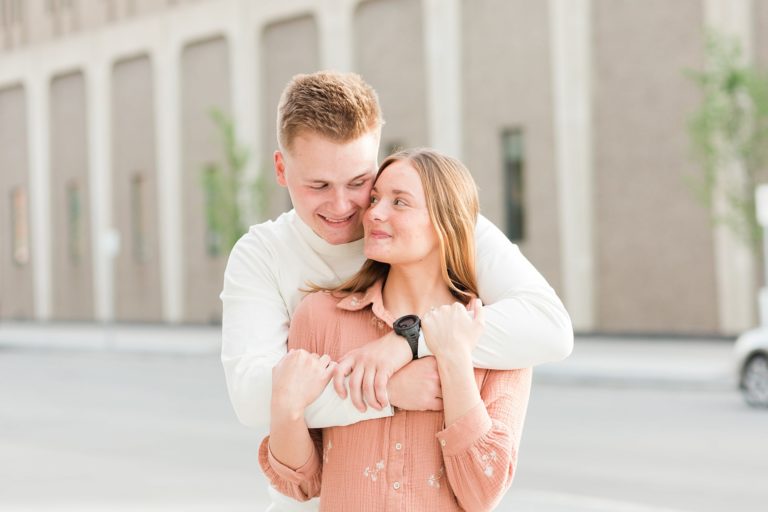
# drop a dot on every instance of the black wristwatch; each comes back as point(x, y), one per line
point(408, 327)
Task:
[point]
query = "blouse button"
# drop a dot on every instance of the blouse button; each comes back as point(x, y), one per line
point(396, 485)
point(398, 446)
point(442, 442)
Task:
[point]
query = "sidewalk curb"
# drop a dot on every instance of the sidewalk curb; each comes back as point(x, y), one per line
point(140, 338)
point(720, 383)
point(684, 364)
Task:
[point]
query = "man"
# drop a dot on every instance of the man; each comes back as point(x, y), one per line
point(329, 127)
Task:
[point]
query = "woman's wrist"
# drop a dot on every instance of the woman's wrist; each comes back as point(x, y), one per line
point(455, 355)
point(455, 363)
point(457, 379)
point(285, 409)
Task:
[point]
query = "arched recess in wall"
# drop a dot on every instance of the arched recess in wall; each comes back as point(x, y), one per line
point(71, 244)
point(16, 265)
point(388, 51)
point(289, 47)
point(134, 193)
point(205, 85)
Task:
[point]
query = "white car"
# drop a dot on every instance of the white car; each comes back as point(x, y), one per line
point(751, 351)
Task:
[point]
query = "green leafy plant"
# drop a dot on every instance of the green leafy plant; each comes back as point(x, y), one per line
point(230, 198)
point(729, 134)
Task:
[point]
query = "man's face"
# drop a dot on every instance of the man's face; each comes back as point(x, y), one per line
point(330, 182)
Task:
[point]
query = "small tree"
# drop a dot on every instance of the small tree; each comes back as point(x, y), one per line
point(230, 198)
point(729, 134)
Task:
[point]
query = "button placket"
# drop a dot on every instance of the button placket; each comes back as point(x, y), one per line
point(396, 469)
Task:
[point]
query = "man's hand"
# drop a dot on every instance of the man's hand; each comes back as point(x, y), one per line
point(298, 379)
point(416, 386)
point(370, 368)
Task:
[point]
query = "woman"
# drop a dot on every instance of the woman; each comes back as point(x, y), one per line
point(419, 241)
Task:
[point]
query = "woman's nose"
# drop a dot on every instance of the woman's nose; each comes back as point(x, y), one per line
point(376, 211)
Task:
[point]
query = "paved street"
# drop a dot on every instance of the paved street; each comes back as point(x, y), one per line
point(106, 431)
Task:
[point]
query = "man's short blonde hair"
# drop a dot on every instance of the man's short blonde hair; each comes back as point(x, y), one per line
point(339, 106)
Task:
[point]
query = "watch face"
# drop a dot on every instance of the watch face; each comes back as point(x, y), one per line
point(406, 322)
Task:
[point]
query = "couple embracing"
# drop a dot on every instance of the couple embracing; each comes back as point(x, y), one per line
point(383, 329)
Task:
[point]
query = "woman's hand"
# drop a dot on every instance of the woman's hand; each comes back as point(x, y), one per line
point(453, 330)
point(297, 380)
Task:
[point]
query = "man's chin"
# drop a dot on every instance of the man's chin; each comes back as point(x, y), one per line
point(340, 236)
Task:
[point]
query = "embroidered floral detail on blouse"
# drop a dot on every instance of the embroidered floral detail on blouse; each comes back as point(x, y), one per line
point(434, 480)
point(327, 451)
point(486, 460)
point(374, 473)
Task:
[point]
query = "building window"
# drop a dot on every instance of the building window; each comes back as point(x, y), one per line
point(19, 226)
point(513, 158)
point(139, 219)
point(74, 223)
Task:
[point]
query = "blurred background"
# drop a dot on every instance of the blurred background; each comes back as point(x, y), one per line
point(619, 143)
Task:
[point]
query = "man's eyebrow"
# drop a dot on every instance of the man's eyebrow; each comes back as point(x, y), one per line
point(360, 176)
point(356, 178)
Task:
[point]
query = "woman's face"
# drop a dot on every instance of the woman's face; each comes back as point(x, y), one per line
point(397, 225)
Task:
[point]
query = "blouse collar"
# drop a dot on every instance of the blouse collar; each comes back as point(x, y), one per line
point(373, 297)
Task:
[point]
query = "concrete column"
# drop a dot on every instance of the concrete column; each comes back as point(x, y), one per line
point(242, 36)
point(38, 93)
point(570, 31)
point(99, 115)
point(165, 73)
point(442, 44)
point(334, 20)
point(736, 265)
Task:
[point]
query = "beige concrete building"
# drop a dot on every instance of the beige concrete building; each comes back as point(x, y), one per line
point(571, 115)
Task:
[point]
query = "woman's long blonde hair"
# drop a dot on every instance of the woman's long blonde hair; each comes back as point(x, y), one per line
point(452, 202)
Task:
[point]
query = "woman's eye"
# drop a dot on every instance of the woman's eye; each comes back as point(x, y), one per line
point(399, 202)
point(374, 199)
point(357, 184)
point(318, 187)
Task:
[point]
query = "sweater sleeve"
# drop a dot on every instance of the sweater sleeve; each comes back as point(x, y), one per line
point(525, 322)
point(255, 327)
point(302, 483)
point(480, 448)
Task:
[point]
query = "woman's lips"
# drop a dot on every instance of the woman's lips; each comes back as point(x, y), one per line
point(379, 234)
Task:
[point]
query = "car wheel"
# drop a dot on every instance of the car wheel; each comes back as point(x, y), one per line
point(755, 381)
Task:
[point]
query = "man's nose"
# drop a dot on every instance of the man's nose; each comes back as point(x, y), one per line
point(341, 202)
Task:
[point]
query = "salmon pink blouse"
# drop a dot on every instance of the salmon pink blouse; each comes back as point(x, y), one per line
point(410, 461)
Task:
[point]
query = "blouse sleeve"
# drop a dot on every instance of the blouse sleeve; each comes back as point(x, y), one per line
point(302, 483)
point(480, 448)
